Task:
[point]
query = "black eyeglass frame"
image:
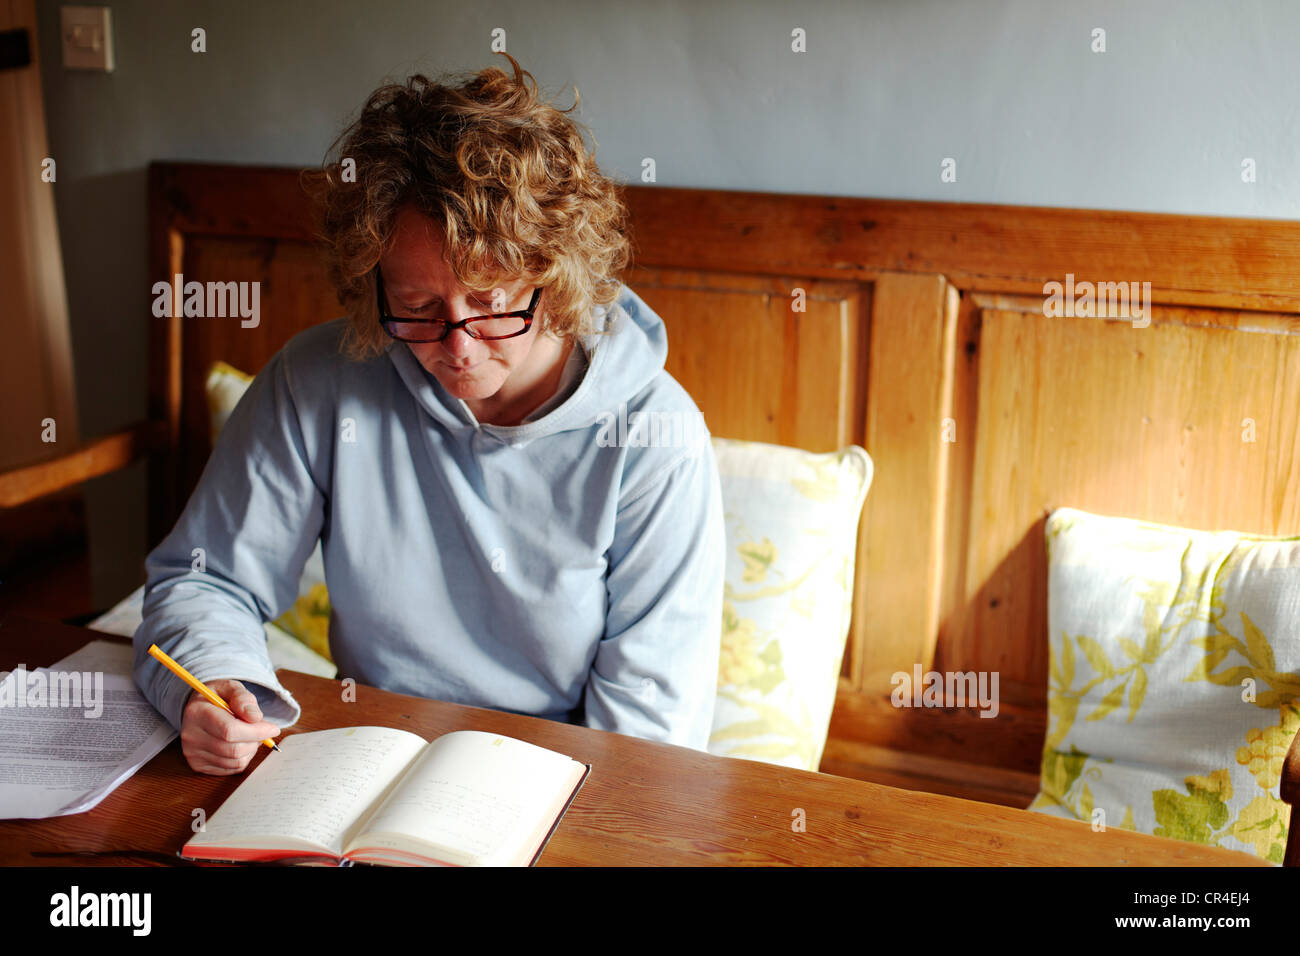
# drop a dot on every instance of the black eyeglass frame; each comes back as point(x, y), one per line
point(385, 317)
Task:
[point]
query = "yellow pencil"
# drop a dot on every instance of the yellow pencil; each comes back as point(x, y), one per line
point(198, 685)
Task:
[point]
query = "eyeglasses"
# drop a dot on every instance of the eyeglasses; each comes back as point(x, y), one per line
point(499, 325)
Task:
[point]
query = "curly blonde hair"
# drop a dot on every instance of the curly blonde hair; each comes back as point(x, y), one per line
point(506, 176)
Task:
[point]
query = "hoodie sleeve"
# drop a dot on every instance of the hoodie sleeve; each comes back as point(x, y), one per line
point(235, 556)
point(655, 673)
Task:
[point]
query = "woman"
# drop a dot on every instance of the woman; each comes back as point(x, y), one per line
point(485, 542)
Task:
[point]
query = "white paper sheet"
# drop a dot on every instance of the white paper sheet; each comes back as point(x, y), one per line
point(111, 657)
point(64, 759)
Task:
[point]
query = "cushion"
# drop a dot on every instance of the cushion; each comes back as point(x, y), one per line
point(791, 519)
point(309, 617)
point(225, 386)
point(1174, 679)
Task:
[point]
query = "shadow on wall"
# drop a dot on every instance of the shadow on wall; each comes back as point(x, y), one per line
point(104, 233)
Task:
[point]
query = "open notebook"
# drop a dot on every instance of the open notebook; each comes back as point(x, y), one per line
point(384, 796)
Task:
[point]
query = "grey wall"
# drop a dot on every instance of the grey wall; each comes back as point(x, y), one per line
point(1009, 88)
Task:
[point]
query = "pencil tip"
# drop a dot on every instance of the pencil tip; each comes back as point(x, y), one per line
point(274, 747)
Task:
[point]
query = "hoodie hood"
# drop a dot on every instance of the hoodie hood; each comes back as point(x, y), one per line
point(621, 364)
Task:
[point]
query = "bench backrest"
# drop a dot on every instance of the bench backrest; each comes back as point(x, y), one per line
point(920, 331)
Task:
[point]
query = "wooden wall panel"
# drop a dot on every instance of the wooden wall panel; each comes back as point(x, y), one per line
point(758, 369)
point(1139, 422)
point(910, 394)
point(1219, 261)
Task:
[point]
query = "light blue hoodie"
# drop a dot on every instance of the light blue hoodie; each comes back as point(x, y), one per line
point(570, 567)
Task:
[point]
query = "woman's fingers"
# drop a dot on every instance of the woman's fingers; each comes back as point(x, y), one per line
point(218, 742)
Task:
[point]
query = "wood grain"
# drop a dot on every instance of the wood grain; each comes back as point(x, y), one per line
point(909, 396)
point(645, 803)
point(1192, 260)
point(1097, 415)
point(1213, 261)
point(789, 377)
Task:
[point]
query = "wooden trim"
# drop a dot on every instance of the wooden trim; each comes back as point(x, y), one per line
point(226, 200)
point(856, 642)
point(1013, 741)
point(1180, 316)
point(1191, 260)
point(99, 457)
point(912, 328)
point(955, 593)
point(166, 253)
point(913, 771)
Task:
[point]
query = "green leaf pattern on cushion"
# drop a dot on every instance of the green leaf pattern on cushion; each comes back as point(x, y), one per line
point(758, 558)
point(794, 734)
point(1196, 814)
point(1260, 667)
point(791, 519)
point(1263, 824)
point(1159, 602)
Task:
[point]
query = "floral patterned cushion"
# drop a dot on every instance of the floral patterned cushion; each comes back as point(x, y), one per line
point(309, 618)
point(1174, 680)
point(792, 523)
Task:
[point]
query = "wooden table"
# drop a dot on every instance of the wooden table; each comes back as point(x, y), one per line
point(644, 803)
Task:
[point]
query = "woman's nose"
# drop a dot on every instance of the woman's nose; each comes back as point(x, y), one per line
point(459, 344)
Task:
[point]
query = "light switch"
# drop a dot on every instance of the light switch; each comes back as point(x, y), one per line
point(87, 38)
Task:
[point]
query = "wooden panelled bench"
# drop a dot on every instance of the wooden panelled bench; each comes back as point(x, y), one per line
point(923, 339)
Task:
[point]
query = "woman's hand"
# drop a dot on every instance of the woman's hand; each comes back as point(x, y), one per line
point(216, 742)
